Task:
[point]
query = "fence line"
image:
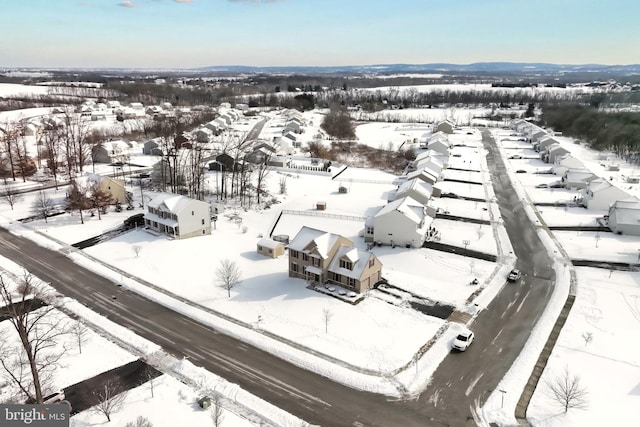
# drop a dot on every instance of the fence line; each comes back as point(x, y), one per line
point(324, 215)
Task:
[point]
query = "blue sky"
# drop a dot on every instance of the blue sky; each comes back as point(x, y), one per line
point(195, 33)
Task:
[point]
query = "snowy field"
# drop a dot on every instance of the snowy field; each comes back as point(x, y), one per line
point(294, 312)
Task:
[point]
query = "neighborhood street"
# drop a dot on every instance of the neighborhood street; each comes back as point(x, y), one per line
point(461, 379)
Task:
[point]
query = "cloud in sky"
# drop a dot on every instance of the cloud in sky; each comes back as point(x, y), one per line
point(183, 1)
point(126, 3)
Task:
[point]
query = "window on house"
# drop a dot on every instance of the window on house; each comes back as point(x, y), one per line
point(337, 277)
point(270, 251)
point(369, 230)
point(202, 221)
point(352, 282)
point(372, 262)
point(317, 262)
point(260, 248)
point(345, 264)
point(294, 267)
point(293, 254)
point(305, 257)
point(192, 213)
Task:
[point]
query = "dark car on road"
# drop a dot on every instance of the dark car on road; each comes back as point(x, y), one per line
point(136, 220)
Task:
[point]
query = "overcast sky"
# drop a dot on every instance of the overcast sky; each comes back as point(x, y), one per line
point(195, 33)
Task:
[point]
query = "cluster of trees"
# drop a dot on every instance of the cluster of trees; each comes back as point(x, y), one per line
point(337, 123)
point(613, 131)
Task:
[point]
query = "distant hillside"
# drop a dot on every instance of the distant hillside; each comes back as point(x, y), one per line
point(484, 67)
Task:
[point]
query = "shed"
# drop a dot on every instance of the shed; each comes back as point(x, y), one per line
point(321, 206)
point(270, 248)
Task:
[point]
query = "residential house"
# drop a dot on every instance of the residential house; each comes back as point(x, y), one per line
point(537, 135)
point(553, 152)
point(322, 257)
point(541, 145)
point(178, 216)
point(439, 143)
point(311, 251)
point(111, 152)
point(445, 126)
point(431, 163)
point(624, 217)
point(152, 147)
point(564, 163)
point(600, 194)
point(402, 222)
point(417, 189)
point(114, 187)
point(270, 248)
point(203, 135)
point(425, 174)
point(223, 162)
point(577, 179)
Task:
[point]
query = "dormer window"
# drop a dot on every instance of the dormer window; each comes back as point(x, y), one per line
point(346, 264)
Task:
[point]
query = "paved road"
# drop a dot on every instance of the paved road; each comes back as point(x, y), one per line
point(500, 334)
point(501, 330)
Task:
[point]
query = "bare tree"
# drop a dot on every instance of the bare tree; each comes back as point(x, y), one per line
point(42, 205)
point(228, 275)
point(261, 173)
point(326, 317)
point(567, 391)
point(11, 195)
point(30, 364)
point(80, 332)
point(77, 198)
point(51, 138)
point(283, 185)
point(216, 411)
point(587, 336)
point(139, 422)
point(111, 397)
point(136, 250)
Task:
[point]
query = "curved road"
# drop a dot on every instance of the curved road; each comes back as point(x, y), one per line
point(501, 331)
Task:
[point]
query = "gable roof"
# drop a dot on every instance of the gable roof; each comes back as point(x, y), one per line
point(174, 203)
point(408, 207)
point(359, 260)
point(309, 239)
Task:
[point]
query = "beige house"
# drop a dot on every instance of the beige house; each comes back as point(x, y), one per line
point(114, 187)
point(444, 126)
point(270, 248)
point(321, 257)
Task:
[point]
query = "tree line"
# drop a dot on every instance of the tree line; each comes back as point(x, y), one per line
point(618, 132)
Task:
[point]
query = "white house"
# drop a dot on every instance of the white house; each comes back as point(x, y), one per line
point(577, 179)
point(112, 151)
point(600, 194)
point(553, 152)
point(624, 217)
point(545, 142)
point(445, 126)
point(439, 143)
point(425, 174)
point(566, 162)
point(431, 163)
point(402, 222)
point(178, 216)
point(417, 189)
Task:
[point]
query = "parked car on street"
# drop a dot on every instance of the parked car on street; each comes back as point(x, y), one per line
point(542, 186)
point(463, 340)
point(521, 171)
point(516, 156)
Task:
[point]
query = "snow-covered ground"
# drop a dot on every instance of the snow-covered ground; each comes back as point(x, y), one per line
point(286, 306)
